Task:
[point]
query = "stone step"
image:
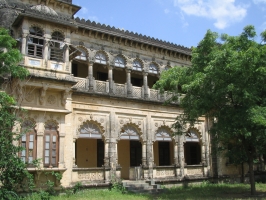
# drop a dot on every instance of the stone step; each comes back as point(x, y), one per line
point(142, 186)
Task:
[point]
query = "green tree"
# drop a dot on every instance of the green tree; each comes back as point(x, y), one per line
point(12, 170)
point(226, 83)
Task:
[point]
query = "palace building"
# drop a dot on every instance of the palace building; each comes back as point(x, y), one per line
point(92, 112)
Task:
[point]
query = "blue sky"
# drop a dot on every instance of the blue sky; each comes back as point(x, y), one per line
point(182, 22)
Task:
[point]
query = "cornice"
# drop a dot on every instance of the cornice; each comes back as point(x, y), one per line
point(106, 29)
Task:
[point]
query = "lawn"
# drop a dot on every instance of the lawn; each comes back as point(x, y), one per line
point(200, 191)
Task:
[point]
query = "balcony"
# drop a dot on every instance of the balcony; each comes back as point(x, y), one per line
point(120, 90)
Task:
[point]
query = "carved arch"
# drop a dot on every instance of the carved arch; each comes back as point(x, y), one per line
point(29, 123)
point(164, 133)
point(130, 131)
point(135, 61)
point(91, 129)
point(123, 57)
point(84, 49)
point(37, 26)
point(99, 53)
point(152, 67)
point(51, 125)
point(59, 31)
point(193, 135)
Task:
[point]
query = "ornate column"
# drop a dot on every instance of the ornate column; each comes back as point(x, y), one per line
point(74, 152)
point(90, 75)
point(145, 85)
point(110, 79)
point(129, 85)
point(150, 158)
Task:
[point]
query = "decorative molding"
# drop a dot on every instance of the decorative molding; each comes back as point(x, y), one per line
point(51, 99)
point(43, 93)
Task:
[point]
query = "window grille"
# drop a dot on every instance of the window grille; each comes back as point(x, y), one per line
point(119, 62)
point(35, 42)
point(137, 66)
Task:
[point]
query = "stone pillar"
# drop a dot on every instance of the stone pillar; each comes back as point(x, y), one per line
point(129, 85)
point(67, 58)
point(74, 152)
point(150, 158)
point(90, 75)
point(61, 163)
point(176, 157)
point(145, 85)
point(24, 42)
point(144, 154)
point(110, 79)
point(181, 156)
point(40, 135)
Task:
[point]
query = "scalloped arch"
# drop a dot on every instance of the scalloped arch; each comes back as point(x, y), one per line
point(138, 129)
point(60, 31)
point(167, 130)
point(122, 56)
point(197, 132)
point(87, 122)
point(84, 48)
point(51, 124)
point(29, 122)
point(103, 52)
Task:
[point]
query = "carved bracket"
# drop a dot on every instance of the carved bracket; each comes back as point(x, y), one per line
point(43, 93)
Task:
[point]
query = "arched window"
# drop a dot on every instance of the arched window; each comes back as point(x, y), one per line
point(153, 69)
point(163, 135)
point(90, 130)
point(82, 56)
point(129, 132)
point(100, 58)
point(51, 144)
point(28, 142)
point(57, 47)
point(35, 42)
point(164, 146)
point(137, 65)
point(119, 62)
point(192, 148)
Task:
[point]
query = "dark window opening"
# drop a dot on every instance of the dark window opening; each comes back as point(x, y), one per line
point(136, 82)
point(57, 47)
point(135, 153)
point(100, 153)
point(192, 153)
point(75, 69)
point(164, 153)
point(101, 76)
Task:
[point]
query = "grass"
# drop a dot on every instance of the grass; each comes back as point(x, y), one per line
point(200, 191)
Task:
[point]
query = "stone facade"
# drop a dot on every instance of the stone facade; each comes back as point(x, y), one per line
point(90, 100)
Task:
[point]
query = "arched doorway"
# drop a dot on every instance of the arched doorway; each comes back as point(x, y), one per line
point(129, 150)
point(90, 146)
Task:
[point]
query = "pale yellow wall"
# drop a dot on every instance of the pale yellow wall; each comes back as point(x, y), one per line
point(156, 153)
point(124, 157)
point(87, 152)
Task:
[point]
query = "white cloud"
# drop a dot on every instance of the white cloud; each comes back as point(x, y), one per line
point(223, 12)
point(166, 11)
point(259, 1)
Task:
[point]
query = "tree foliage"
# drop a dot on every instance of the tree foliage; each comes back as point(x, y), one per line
point(12, 170)
point(226, 83)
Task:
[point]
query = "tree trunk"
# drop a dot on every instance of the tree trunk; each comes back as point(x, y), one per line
point(251, 176)
point(242, 173)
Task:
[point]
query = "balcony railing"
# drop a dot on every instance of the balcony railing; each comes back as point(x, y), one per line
point(121, 90)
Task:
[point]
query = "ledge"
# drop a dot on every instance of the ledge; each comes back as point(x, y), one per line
point(43, 109)
point(31, 169)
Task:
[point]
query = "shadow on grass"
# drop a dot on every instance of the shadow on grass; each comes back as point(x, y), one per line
point(213, 191)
